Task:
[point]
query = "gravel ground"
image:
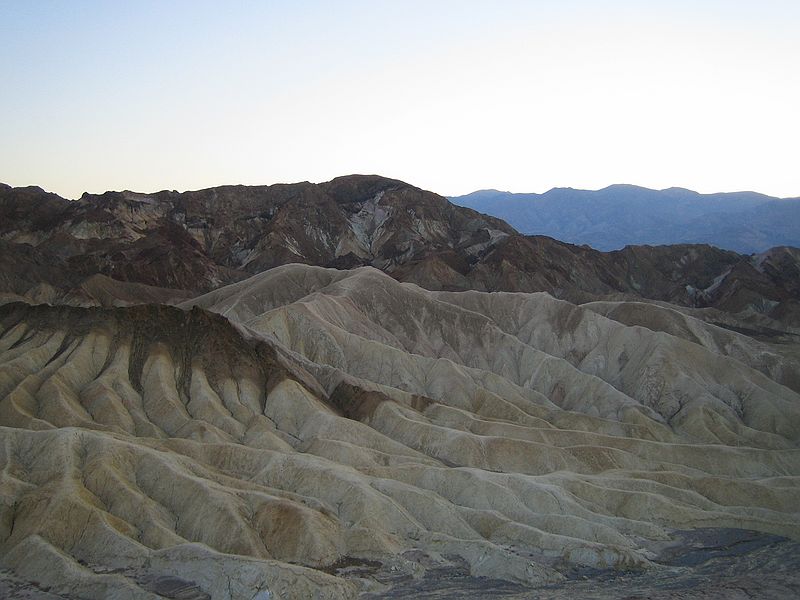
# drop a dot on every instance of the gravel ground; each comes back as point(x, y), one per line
point(702, 564)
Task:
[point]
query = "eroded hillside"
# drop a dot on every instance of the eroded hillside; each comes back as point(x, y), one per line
point(313, 432)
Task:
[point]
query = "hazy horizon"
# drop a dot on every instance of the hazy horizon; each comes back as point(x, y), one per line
point(452, 97)
point(483, 189)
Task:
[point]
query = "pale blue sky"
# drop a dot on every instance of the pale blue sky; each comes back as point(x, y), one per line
point(449, 96)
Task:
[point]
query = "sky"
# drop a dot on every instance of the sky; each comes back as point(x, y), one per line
point(448, 96)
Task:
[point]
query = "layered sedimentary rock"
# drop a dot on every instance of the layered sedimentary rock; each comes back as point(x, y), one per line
point(300, 432)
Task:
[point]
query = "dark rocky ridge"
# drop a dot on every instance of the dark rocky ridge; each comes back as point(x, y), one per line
point(197, 241)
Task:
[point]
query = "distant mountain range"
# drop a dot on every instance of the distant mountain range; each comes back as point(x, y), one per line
point(621, 215)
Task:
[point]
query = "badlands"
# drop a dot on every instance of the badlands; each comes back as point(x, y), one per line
point(333, 432)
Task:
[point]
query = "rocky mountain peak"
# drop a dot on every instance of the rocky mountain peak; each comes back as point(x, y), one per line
point(360, 188)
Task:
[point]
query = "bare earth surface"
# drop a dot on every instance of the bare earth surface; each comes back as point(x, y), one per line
point(705, 564)
point(328, 434)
